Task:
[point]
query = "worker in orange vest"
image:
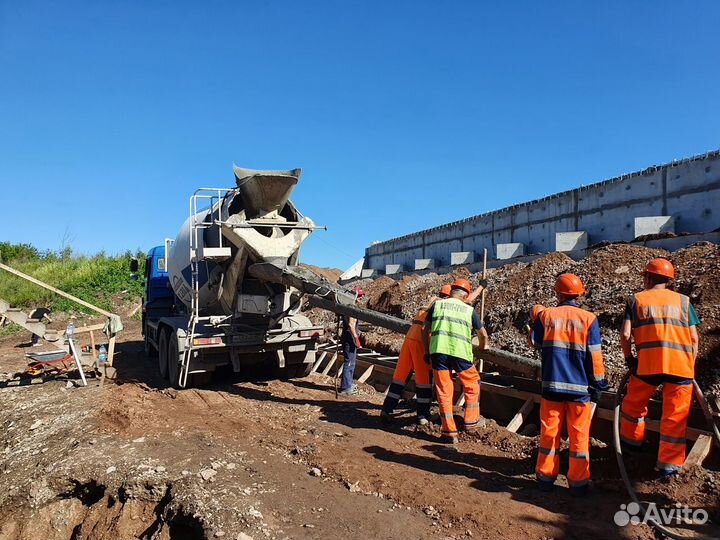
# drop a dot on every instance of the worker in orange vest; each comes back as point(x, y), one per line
point(662, 324)
point(412, 358)
point(573, 374)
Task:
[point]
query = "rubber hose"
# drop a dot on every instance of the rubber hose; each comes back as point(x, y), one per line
point(621, 463)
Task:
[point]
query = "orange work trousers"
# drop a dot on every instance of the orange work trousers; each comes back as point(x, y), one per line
point(578, 417)
point(412, 358)
point(444, 388)
point(677, 399)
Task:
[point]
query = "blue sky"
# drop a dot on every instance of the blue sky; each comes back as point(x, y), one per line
point(403, 114)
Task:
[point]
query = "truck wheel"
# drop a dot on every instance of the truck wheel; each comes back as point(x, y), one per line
point(163, 354)
point(149, 348)
point(295, 366)
point(174, 359)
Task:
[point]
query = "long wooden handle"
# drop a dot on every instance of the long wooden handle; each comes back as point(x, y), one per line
point(482, 297)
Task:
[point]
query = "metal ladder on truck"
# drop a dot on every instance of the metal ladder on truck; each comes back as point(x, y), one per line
point(215, 197)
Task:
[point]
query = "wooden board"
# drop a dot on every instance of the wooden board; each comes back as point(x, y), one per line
point(699, 451)
point(519, 418)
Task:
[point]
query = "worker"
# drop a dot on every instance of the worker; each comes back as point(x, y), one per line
point(535, 312)
point(42, 315)
point(573, 374)
point(412, 358)
point(350, 343)
point(662, 324)
point(448, 336)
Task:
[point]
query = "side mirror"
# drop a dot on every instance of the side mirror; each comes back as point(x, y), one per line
point(134, 267)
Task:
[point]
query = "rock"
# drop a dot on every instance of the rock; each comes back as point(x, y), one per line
point(353, 488)
point(110, 470)
point(309, 526)
point(315, 472)
point(36, 425)
point(254, 513)
point(160, 469)
point(69, 384)
point(243, 536)
point(207, 474)
point(219, 534)
point(139, 440)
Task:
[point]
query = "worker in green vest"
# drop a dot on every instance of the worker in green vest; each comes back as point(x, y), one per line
point(449, 329)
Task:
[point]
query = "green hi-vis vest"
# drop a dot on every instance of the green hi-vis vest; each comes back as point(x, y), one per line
point(451, 329)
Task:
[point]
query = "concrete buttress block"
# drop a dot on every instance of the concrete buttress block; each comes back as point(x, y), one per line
point(511, 250)
point(461, 257)
point(424, 264)
point(394, 269)
point(368, 273)
point(654, 225)
point(571, 241)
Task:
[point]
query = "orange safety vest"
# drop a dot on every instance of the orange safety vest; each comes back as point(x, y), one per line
point(661, 329)
point(416, 329)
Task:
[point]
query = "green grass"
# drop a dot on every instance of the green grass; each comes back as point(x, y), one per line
point(94, 279)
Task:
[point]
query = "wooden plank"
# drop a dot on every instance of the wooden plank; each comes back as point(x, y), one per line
point(519, 418)
point(366, 374)
point(330, 364)
point(92, 344)
point(461, 400)
point(699, 451)
point(91, 328)
point(111, 351)
point(318, 362)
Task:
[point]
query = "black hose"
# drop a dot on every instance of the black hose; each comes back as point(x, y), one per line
point(621, 463)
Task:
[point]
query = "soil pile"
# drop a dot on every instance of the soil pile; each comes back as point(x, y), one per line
point(611, 273)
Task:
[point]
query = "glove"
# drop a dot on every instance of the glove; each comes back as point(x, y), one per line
point(427, 358)
point(595, 394)
point(483, 283)
point(631, 363)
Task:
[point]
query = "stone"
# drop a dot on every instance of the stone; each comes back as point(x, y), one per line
point(110, 470)
point(315, 472)
point(36, 425)
point(207, 474)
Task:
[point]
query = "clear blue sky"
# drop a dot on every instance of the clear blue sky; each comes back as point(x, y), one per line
point(403, 114)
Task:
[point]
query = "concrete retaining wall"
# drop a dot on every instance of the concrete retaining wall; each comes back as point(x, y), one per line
point(687, 190)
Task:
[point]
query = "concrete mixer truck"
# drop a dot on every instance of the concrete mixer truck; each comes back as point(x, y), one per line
point(228, 290)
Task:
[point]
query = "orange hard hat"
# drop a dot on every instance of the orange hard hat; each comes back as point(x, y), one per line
point(445, 291)
point(569, 284)
point(535, 312)
point(660, 267)
point(463, 284)
point(359, 292)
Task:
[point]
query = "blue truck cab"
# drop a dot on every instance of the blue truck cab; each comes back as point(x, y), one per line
point(159, 298)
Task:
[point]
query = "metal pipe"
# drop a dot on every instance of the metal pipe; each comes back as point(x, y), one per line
point(526, 366)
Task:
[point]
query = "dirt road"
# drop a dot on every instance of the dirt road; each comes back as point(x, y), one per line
point(271, 459)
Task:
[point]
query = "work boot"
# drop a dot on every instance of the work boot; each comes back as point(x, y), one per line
point(545, 486)
point(450, 439)
point(666, 473)
point(353, 390)
point(580, 491)
point(422, 421)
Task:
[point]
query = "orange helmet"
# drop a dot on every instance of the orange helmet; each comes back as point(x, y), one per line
point(569, 284)
point(463, 284)
point(445, 291)
point(660, 267)
point(535, 312)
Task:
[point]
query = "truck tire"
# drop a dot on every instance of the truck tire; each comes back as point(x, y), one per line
point(174, 359)
point(295, 367)
point(163, 354)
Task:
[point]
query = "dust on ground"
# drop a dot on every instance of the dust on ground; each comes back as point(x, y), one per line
point(260, 458)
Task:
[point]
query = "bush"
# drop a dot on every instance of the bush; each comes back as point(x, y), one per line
point(95, 279)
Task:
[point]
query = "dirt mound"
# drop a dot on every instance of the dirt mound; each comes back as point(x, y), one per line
point(611, 273)
point(331, 274)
